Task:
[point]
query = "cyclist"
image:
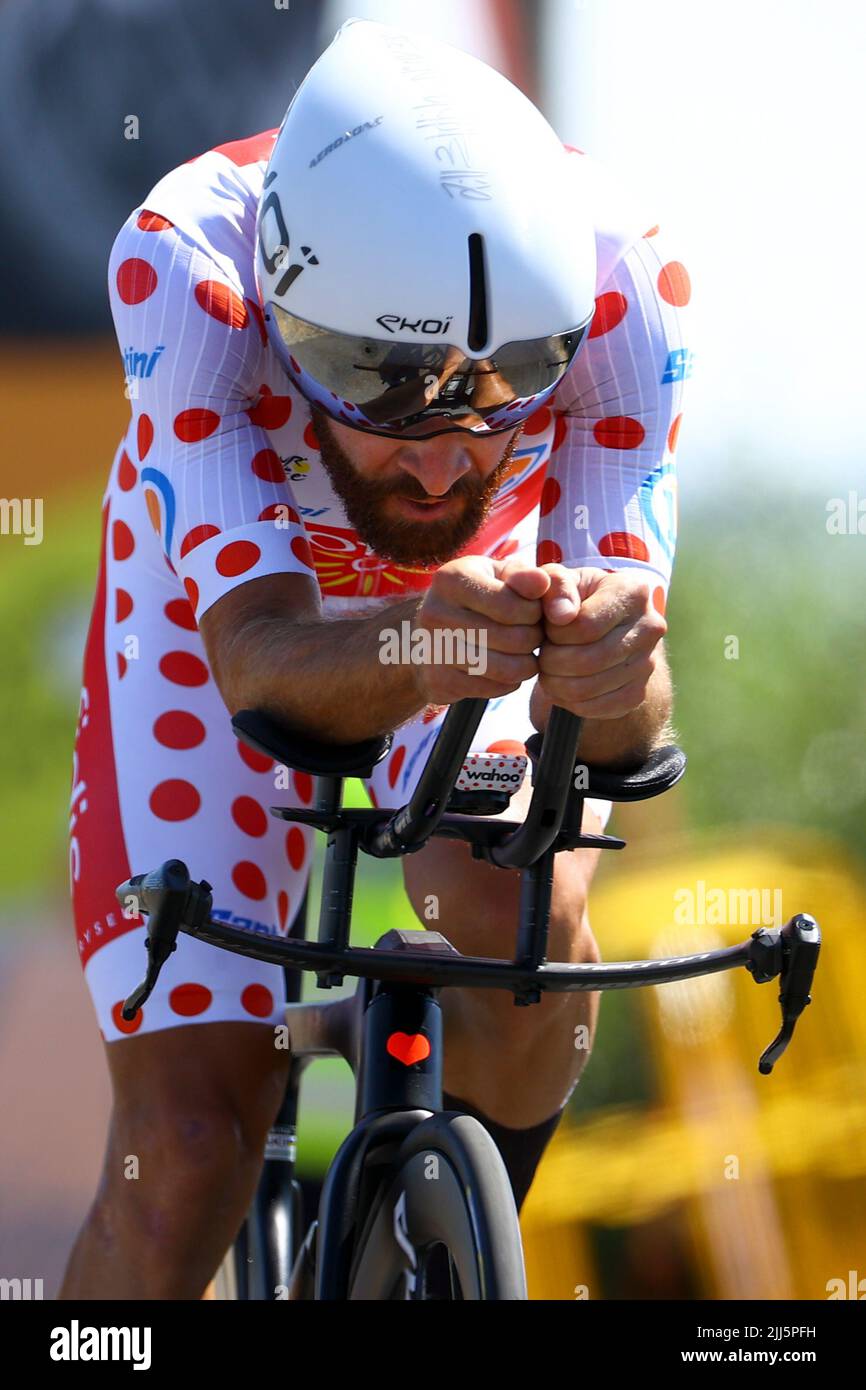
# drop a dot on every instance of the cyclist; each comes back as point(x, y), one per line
point(406, 365)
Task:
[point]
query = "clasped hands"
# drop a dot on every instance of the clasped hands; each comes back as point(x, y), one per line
point(590, 636)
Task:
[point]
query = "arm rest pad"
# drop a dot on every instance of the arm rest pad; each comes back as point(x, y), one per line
point(297, 750)
point(661, 770)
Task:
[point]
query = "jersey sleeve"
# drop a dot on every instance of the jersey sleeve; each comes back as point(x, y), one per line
point(214, 488)
point(610, 495)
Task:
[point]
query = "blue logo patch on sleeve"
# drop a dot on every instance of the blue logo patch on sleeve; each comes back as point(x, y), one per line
point(679, 365)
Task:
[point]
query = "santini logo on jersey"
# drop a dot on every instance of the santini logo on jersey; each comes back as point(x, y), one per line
point(141, 363)
point(342, 139)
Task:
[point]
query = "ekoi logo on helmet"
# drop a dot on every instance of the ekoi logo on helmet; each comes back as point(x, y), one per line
point(393, 323)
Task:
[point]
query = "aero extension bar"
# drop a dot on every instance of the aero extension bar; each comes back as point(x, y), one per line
point(409, 828)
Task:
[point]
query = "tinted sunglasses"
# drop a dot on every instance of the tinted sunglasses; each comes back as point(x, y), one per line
point(387, 385)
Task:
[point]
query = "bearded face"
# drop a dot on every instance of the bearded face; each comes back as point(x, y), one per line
point(411, 499)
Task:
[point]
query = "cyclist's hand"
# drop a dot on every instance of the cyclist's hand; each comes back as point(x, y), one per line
point(601, 636)
point(483, 622)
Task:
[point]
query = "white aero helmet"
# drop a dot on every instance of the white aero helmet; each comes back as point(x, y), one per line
point(422, 251)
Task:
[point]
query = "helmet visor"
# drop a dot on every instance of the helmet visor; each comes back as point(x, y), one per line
point(391, 384)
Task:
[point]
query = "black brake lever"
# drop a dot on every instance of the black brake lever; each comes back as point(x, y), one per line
point(792, 953)
point(169, 899)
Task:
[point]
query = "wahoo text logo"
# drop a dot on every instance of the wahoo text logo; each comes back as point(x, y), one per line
point(21, 1289)
point(22, 516)
point(76, 1343)
point(141, 363)
point(720, 907)
point(342, 139)
point(442, 647)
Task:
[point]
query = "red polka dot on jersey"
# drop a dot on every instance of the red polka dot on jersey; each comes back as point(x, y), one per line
point(300, 547)
point(652, 231)
point(293, 364)
point(295, 847)
point(674, 283)
point(152, 222)
point(258, 318)
point(192, 593)
point(145, 436)
point(550, 495)
point(122, 605)
point(127, 473)
point(120, 1022)
point(249, 880)
point(191, 426)
point(396, 761)
point(619, 432)
point(624, 545)
point(539, 422)
point(311, 439)
point(560, 430)
point(178, 729)
point(659, 601)
point(249, 816)
point(178, 611)
point(268, 466)
point(174, 799)
point(136, 280)
point(221, 303)
point(258, 1000)
point(270, 412)
point(236, 558)
point(610, 309)
point(189, 1000)
point(122, 541)
point(196, 536)
point(372, 796)
point(304, 786)
point(507, 747)
point(121, 665)
point(507, 548)
point(280, 511)
point(183, 668)
point(283, 907)
point(548, 553)
point(674, 433)
point(258, 762)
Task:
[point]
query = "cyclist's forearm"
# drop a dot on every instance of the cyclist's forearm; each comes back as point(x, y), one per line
point(623, 742)
point(327, 677)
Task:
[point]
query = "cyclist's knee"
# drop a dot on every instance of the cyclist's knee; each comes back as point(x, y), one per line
point(191, 1113)
point(178, 1150)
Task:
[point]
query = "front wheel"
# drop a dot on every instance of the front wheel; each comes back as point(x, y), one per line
point(449, 1206)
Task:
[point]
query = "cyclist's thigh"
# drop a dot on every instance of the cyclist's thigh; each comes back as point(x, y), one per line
point(221, 1083)
point(159, 775)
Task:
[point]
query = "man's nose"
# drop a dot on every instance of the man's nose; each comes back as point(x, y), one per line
point(437, 465)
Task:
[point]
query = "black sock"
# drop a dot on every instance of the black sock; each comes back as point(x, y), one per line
point(521, 1149)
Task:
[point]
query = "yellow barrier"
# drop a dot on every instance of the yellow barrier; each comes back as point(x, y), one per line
point(729, 1184)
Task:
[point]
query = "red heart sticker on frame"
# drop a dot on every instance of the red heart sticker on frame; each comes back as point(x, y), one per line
point(408, 1048)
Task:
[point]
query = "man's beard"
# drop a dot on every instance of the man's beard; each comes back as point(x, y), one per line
point(418, 543)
